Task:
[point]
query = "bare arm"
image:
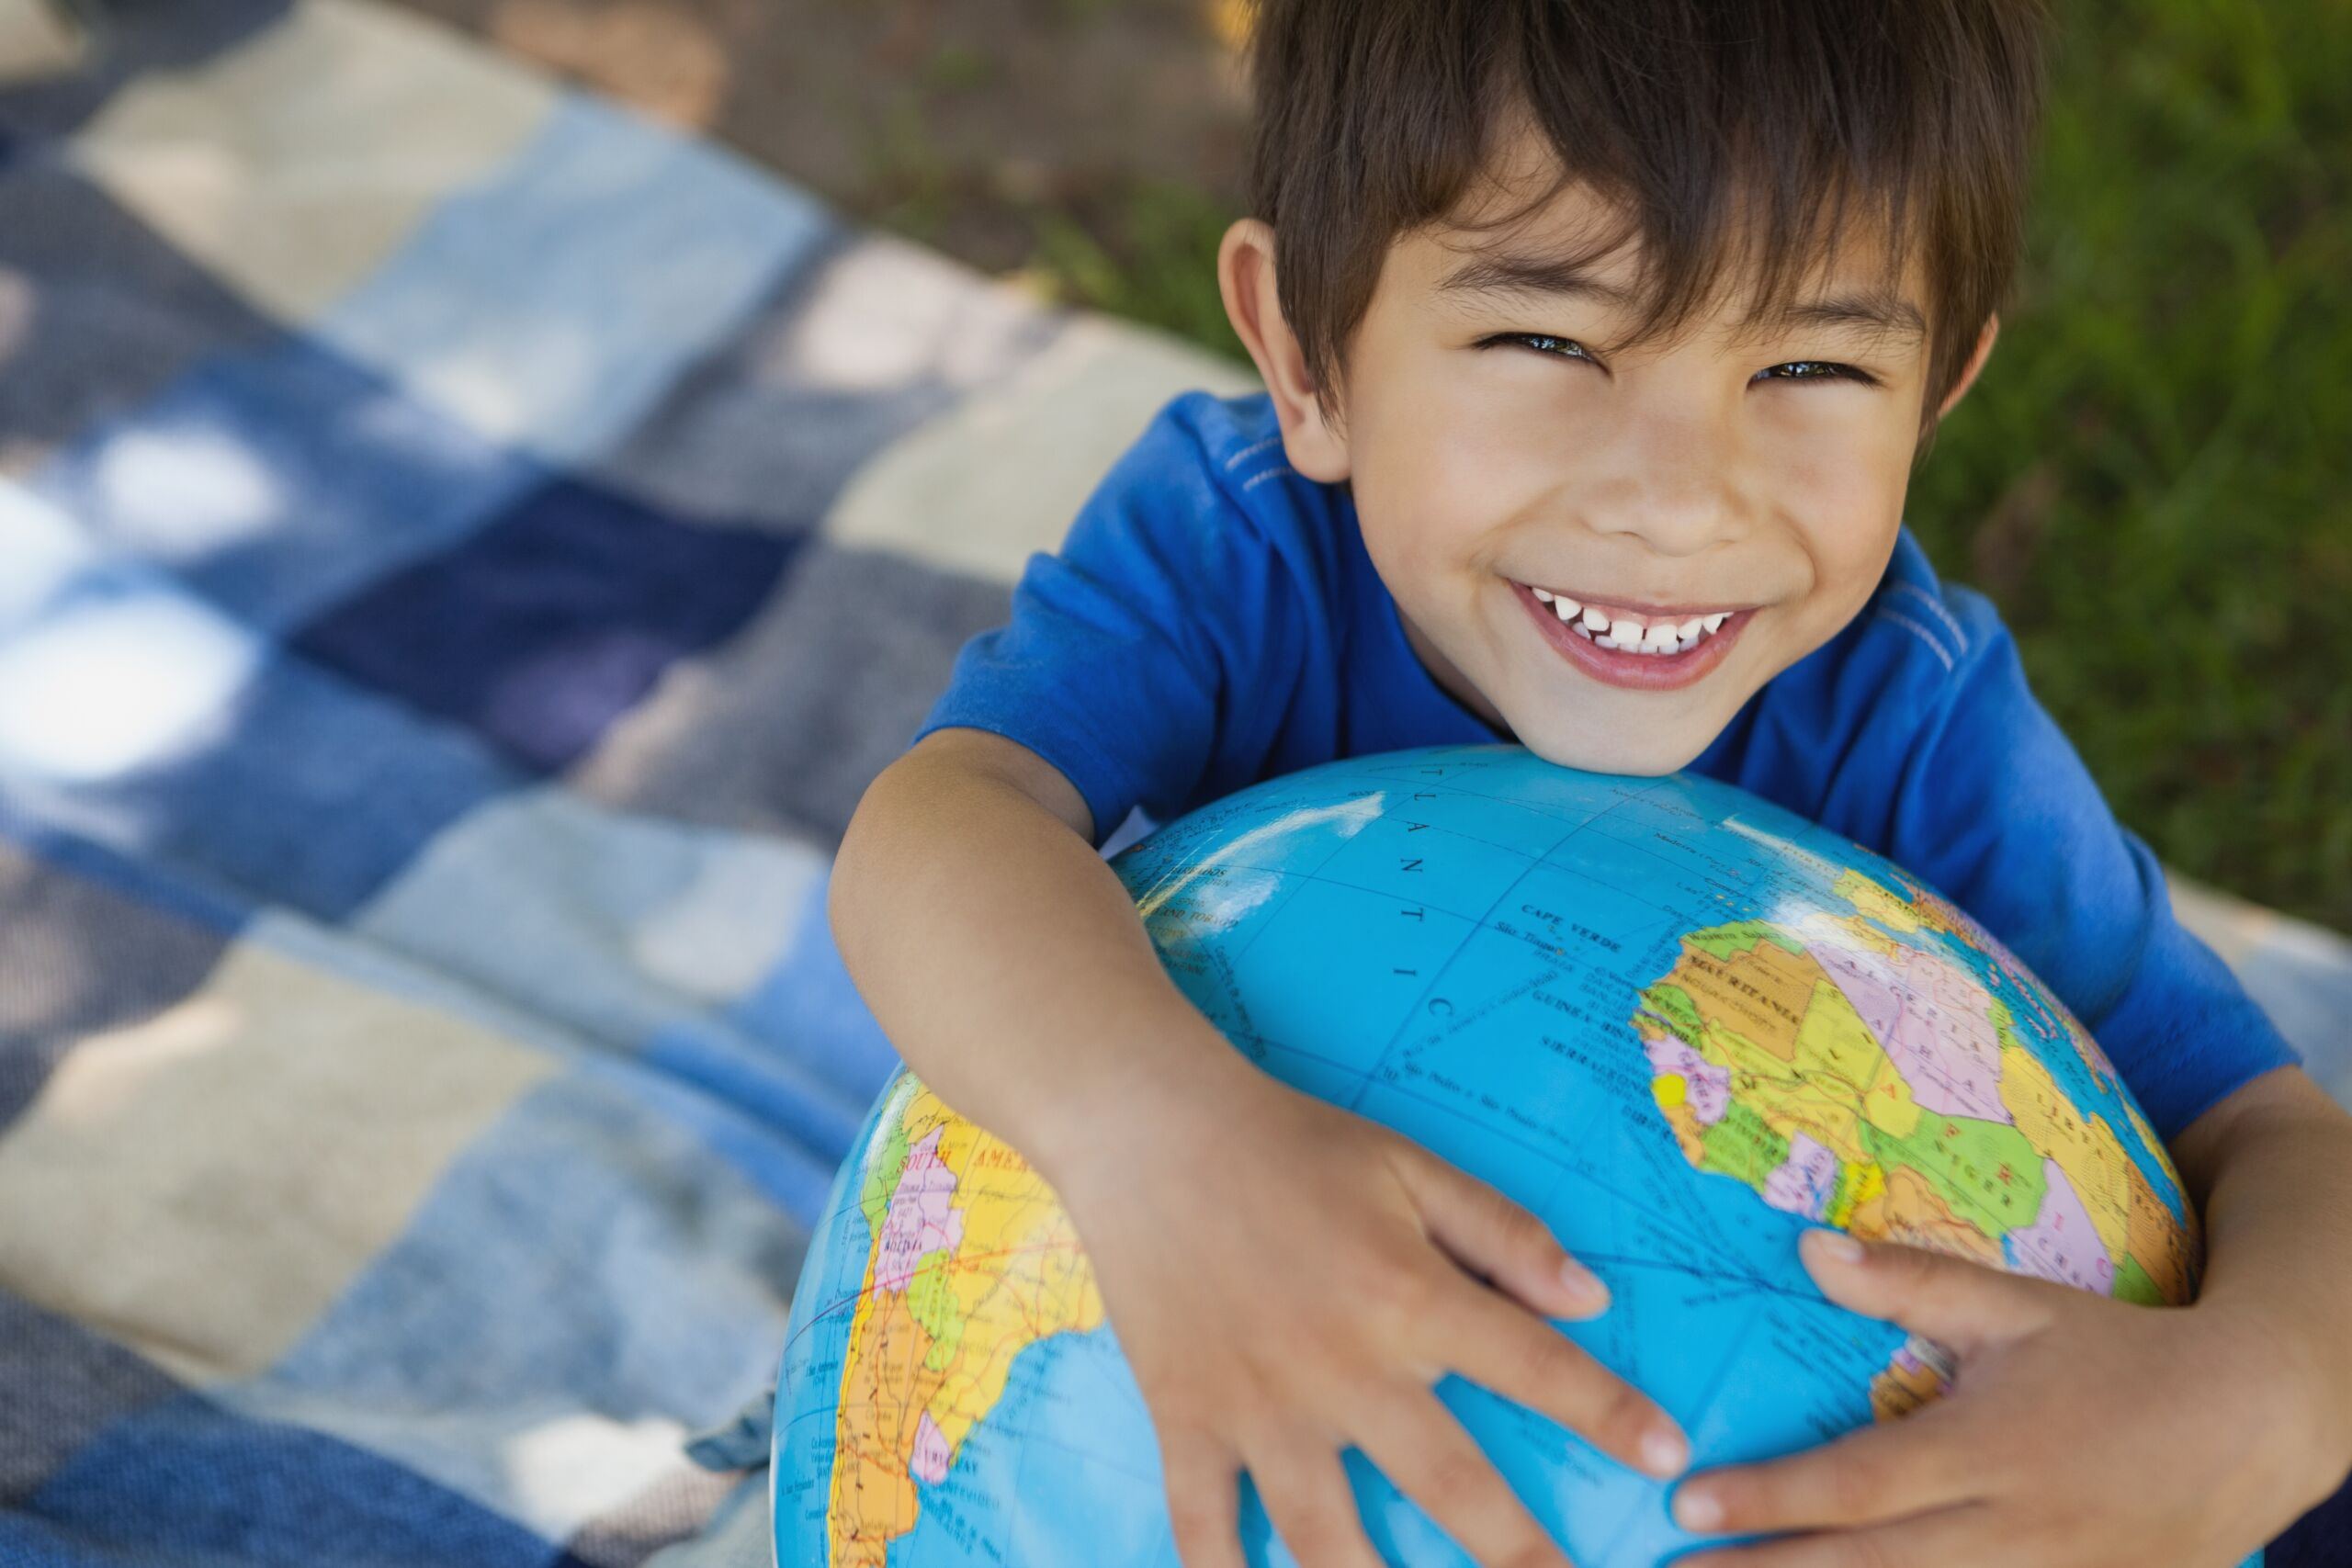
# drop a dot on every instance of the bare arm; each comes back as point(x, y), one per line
point(2271, 1167)
point(1287, 1278)
point(1000, 953)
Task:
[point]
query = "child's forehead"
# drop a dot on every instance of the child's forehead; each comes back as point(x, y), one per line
point(1527, 229)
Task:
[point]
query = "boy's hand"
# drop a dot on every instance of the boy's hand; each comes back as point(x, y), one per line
point(1288, 1279)
point(2083, 1430)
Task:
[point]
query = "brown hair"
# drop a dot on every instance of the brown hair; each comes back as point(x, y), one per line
point(1693, 118)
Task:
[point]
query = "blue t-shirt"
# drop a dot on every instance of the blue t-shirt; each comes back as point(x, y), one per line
point(1213, 620)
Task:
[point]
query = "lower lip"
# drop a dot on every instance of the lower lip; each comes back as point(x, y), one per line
point(1642, 671)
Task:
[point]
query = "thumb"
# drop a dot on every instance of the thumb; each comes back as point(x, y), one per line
point(1955, 1300)
point(1489, 1236)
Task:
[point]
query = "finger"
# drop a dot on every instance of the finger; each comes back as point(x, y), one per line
point(1492, 1236)
point(1307, 1495)
point(1954, 1301)
point(1864, 1478)
point(1968, 1534)
point(1497, 1344)
point(1419, 1446)
point(1204, 1506)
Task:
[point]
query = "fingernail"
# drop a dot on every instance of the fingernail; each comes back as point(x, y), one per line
point(1584, 1285)
point(1835, 1245)
point(1664, 1453)
point(1697, 1510)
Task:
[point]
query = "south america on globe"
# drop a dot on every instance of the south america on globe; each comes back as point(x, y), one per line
point(1679, 1024)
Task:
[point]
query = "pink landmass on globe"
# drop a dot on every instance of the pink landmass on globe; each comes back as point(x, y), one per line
point(1708, 1095)
point(921, 1219)
point(1801, 1183)
point(2061, 1245)
point(931, 1458)
point(1935, 1021)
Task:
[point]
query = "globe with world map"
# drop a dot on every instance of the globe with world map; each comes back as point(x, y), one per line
point(1679, 1023)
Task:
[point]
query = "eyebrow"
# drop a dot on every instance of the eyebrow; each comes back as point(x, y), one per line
point(1536, 276)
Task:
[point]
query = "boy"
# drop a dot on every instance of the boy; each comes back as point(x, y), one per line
point(1600, 337)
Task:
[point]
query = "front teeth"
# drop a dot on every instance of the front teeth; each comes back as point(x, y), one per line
point(1660, 638)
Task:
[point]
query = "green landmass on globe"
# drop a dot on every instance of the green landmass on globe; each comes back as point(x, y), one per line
point(1679, 1023)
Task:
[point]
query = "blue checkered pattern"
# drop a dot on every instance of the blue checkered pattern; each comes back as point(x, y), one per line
point(463, 551)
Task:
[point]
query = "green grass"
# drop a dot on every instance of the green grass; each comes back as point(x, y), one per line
point(2154, 479)
point(1147, 253)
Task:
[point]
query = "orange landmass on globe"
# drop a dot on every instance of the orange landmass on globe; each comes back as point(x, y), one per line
point(973, 1261)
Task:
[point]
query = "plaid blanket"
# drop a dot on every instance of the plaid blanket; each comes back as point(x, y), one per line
point(463, 551)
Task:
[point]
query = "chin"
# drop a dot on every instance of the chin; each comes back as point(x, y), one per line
point(1647, 755)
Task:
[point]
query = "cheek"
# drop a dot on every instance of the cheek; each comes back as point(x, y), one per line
point(1851, 547)
point(1437, 495)
point(1412, 548)
point(1843, 491)
point(1412, 460)
point(1468, 436)
point(1423, 508)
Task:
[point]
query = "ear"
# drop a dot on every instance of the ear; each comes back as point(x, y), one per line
point(1245, 274)
point(1975, 362)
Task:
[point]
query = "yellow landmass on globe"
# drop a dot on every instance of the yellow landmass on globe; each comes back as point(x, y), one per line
point(2086, 1151)
point(1876, 902)
point(1954, 1136)
point(1797, 1054)
point(1909, 908)
point(973, 1261)
point(2159, 1242)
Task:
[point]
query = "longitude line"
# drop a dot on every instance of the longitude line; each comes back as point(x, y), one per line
point(1419, 1001)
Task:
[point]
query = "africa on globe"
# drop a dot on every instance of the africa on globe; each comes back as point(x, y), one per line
point(1677, 1024)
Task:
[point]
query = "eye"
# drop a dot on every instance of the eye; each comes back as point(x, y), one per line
point(1543, 343)
point(1815, 370)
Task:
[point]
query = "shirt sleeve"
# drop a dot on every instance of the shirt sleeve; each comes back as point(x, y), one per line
point(1125, 650)
point(1996, 808)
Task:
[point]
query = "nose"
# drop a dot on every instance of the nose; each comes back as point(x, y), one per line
point(1675, 480)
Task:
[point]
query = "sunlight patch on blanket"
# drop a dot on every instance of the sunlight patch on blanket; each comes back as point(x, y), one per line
point(994, 479)
point(117, 674)
point(199, 1185)
point(268, 164)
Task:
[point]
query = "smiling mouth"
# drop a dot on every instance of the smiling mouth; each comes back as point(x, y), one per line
point(1645, 647)
point(1659, 634)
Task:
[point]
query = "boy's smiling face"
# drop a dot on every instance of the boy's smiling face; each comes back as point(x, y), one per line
point(1736, 485)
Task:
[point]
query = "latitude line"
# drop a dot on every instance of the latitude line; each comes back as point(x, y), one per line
point(1268, 921)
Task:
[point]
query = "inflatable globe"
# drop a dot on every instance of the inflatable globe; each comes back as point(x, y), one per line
point(1679, 1024)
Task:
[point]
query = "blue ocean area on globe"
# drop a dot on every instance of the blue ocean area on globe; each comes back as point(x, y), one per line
point(1679, 1024)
